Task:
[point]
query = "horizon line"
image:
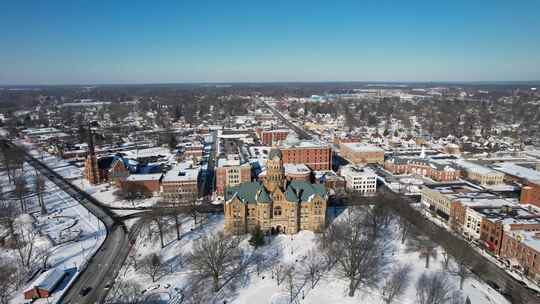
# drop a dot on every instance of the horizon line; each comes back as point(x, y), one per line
point(276, 82)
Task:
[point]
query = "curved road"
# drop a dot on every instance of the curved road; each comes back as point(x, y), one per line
point(104, 265)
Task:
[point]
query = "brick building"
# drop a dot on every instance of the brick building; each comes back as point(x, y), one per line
point(358, 153)
point(530, 193)
point(230, 173)
point(269, 137)
point(142, 184)
point(521, 249)
point(180, 185)
point(425, 167)
point(315, 155)
point(481, 174)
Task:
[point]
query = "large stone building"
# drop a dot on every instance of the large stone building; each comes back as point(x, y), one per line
point(276, 205)
point(358, 153)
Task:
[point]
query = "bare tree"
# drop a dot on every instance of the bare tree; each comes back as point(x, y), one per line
point(445, 262)
point(217, 257)
point(159, 224)
point(126, 292)
point(405, 229)
point(425, 247)
point(7, 281)
point(292, 285)
point(21, 191)
point(396, 285)
point(278, 271)
point(39, 189)
point(313, 267)
point(25, 240)
point(8, 213)
point(434, 288)
point(359, 250)
point(463, 262)
point(177, 226)
point(153, 266)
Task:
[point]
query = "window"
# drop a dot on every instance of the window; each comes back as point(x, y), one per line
point(277, 211)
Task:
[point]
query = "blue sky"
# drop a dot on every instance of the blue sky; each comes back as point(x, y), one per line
point(78, 42)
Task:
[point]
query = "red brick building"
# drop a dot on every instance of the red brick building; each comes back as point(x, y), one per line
point(268, 137)
point(144, 184)
point(428, 168)
point(530, 194)
point(317, 156)
point(358, 153)
point(522, 250)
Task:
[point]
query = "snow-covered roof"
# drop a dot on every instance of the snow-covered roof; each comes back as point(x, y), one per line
point(182, 172)
point(476, 168)
point(359, 147)
point(519, 171)
point(143, 177)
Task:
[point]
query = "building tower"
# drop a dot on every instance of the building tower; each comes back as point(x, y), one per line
point(91, 172)
point(275, 174)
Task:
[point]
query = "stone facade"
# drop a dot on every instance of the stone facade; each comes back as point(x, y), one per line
point(276, 205)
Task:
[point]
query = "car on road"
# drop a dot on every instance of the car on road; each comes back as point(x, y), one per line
point(493, 285)
point(85, 291)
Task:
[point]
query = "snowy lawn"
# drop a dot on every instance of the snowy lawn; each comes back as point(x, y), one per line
point(289, 252)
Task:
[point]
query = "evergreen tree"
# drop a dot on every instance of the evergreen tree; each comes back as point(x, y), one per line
point(468, 301)
point(257, 237)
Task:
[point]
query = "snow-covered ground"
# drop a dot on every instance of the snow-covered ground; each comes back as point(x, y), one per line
point(291, 250)
point(68, 234)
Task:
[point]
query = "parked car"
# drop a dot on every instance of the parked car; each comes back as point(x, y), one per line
point(85, 291)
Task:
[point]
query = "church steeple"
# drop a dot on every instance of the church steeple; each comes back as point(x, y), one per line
point(91, 172)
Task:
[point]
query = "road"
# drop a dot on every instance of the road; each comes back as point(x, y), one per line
point(302, 134)
point(484, 268)
point(105, 264)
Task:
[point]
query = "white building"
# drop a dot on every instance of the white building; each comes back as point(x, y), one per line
point(362, 180)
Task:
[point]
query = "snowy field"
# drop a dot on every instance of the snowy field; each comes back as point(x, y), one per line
point(287, 251)
point(66, 236)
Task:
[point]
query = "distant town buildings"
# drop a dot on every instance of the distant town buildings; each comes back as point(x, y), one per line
point(315, 155)
point(270, 137)
point(180, 184)
point(230, 173)
point(361, 180)
point(358, 153)
point(422, 167)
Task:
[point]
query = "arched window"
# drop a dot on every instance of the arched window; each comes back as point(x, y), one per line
point(277, 211)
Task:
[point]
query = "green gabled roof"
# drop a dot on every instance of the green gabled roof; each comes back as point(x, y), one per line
point(306, 190)
point(250, 192)
point(290, 195)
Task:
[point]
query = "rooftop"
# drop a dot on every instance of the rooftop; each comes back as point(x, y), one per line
point(143, 177)
point(359, 147)
point(519, 171)
point(182, 172)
